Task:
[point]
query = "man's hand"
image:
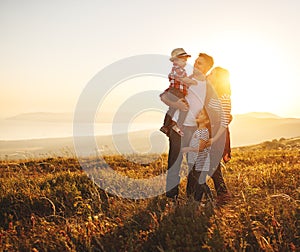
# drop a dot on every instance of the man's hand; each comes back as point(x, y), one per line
point(182, 105)
point(179, 104)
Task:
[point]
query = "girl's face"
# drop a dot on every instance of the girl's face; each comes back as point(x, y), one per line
point(201, 117)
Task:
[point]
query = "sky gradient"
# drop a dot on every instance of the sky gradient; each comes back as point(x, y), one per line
point(49, 50)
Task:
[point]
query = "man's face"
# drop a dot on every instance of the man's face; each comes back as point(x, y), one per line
point(201, 65)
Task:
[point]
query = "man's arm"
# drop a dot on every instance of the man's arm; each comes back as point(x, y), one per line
point(188, 81)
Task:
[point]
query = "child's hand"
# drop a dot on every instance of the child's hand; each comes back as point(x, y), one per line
point(185, 149)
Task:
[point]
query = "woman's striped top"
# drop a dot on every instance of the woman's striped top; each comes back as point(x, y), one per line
point(222, 105)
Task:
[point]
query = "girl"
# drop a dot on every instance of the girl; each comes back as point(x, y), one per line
point(198, 156)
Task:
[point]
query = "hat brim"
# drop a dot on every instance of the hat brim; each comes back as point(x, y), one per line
point(182, 55)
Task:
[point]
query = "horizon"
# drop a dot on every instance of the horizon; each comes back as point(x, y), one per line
point(43, 125)
point(71, 113)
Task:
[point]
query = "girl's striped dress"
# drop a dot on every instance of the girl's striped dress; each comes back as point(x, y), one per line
point(201, 159)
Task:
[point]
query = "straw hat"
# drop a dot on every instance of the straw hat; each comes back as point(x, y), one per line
point(178, 53)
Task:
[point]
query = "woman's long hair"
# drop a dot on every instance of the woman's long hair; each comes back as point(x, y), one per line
point(220, 80)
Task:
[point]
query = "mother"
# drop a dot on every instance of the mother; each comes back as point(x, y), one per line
point(218, 107)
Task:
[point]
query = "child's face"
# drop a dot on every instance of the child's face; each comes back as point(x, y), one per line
point(202, 117)
point(181, 61)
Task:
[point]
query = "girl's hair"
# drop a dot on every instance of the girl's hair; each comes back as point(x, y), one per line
point(221, 82)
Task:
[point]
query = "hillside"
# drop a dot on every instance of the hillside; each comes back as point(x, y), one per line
point(254, 128)
point(42, 116)
point(246, 129)
point(139, 141)
point(49, 204)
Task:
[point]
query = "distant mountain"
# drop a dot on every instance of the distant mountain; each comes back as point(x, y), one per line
point(246, 129)
point(103, 117)
point(43, 116)
point(279, 144)
point(106, 117)
point(252, 128)
point(258, 115)
point(141, 142)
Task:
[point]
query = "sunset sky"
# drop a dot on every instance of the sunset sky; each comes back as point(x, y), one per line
point(50, 49)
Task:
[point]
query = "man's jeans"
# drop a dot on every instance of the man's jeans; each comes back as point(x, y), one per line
point(174, 164)
point(175, 158)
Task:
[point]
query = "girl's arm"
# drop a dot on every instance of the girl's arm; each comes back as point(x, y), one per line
point(188, 149)
point(202, 146)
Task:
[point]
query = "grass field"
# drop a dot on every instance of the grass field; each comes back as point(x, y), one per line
point(51, 205)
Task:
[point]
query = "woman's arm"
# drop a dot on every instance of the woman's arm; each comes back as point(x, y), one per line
point(226, 117)
point(216, 137)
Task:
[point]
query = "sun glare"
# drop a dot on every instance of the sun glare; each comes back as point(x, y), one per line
point(255, 72)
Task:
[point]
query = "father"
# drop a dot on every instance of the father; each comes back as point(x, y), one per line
point(196, 99)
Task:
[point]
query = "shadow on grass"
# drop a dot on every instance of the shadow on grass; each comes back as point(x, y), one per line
point(158, 227)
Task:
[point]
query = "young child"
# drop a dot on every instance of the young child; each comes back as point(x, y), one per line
point(179, 84)
point(198, 155)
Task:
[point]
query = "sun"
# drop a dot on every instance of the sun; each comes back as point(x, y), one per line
point(256, 72)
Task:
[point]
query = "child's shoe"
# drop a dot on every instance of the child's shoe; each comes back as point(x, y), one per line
point(165, 130)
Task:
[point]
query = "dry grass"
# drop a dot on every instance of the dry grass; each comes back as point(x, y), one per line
point(51, 205)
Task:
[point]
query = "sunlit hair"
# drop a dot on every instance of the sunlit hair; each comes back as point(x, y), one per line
point(221, 81)
point(208, 59)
